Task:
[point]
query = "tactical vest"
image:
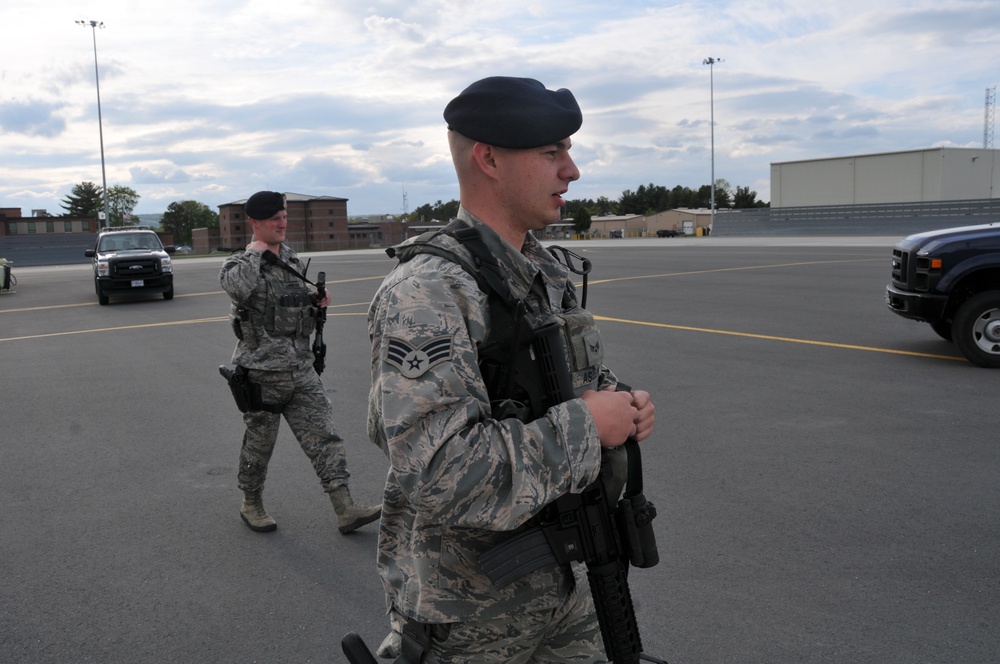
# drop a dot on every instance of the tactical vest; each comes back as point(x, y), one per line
point(283, 309)
point(514, 380)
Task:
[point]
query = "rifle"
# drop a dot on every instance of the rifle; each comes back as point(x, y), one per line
point(592, 527)
point(319, 346)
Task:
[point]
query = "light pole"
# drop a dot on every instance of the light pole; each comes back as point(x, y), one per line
point(711, 92)
point(100, 123)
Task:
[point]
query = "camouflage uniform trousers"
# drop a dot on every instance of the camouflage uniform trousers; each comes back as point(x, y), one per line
point(308, 411)
point(566, 634)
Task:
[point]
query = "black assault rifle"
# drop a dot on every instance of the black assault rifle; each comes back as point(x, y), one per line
point(319, 346)
point(593, 527)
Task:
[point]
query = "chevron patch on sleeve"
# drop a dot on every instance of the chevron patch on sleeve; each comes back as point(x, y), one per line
point(414, 362)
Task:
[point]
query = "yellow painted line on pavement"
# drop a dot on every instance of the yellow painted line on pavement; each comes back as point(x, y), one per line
point(178, 296)
point(734, 269)
point(115, 329)
point(215, 319)
point(768, 337)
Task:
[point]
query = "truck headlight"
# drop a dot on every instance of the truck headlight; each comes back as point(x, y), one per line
point(167, 265)
point(102, 268)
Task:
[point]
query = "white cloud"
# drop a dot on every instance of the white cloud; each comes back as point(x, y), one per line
point(211, 100)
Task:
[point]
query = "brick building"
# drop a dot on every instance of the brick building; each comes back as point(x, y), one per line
point(315, 223)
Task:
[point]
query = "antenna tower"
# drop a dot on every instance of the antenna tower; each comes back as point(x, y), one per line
point(991, 102)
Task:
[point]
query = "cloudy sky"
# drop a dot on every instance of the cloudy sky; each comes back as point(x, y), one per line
point(211, 100)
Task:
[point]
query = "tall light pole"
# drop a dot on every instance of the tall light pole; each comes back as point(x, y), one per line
point(100, 123)
point(711, 92)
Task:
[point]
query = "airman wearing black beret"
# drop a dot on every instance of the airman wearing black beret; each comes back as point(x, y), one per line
point(509, 112)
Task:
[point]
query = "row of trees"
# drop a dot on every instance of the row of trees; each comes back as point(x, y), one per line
point(87, 200)
point(646, 200)
point(181, 218)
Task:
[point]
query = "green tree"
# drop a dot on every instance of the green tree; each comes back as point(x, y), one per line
point(182, 217)
point(723, 195)
point(83, 201)
point(581, 220)
point(439, 211)
point(604, 206)
point(121, 204)
point(744, 198)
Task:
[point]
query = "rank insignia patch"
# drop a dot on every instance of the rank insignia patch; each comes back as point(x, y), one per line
point(412, 361)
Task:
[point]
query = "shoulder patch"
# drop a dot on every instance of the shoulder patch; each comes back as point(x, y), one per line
point(414, 362)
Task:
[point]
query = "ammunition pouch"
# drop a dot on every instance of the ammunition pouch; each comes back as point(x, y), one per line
point(246, 393)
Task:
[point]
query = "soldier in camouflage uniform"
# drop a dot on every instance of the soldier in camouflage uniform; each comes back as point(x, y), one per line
point(461, 481)
point(274, 314)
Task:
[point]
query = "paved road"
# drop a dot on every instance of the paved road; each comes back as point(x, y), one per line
point(825, 472)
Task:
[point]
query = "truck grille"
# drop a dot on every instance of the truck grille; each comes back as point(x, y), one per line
point(135, 268)
point(900, 263)
point(912, 272)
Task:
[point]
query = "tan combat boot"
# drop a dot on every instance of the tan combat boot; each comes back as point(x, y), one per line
point(350, 517)
point(253, 514)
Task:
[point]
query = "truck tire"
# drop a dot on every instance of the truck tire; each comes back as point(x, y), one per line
point(976, 329)
point(102, 299)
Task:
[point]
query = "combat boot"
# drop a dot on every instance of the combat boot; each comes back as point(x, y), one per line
point(350, 517)
point(253, 514)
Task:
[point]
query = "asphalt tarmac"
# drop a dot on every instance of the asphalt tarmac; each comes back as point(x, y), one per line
point(825, 472)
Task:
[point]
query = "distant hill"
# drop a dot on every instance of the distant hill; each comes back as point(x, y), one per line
point(148, 219)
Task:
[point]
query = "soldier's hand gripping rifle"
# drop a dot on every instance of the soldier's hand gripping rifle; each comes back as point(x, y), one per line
point(593, 527)
point(319, 346)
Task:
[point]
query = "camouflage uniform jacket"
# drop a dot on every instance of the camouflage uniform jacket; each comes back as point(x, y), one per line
point(459, 481)
point(271, 312)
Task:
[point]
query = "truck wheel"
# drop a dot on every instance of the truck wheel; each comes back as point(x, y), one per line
point(169, 295)
point(976, 329)
point(101, 297)
point(943, 329)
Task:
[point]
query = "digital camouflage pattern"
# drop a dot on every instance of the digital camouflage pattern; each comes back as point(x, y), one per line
point(274, 337)
point(568, 633)
point(276, 348)
point(459, 481)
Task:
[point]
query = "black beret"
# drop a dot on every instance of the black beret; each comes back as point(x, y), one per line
point(513, 113)
point(264, 205)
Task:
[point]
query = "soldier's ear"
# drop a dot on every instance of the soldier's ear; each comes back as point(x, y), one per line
point(484, 157)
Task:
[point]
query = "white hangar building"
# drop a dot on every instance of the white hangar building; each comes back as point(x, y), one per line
point(915, 176)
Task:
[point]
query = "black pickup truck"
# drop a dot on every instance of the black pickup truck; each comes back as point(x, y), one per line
point(130, 260)
point(950, 278)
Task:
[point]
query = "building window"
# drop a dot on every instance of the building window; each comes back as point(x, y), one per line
point(236, 228)
point(31, 227)
point(68, 226)
point(86, 226)
point(50, 227)
point(12, 228)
